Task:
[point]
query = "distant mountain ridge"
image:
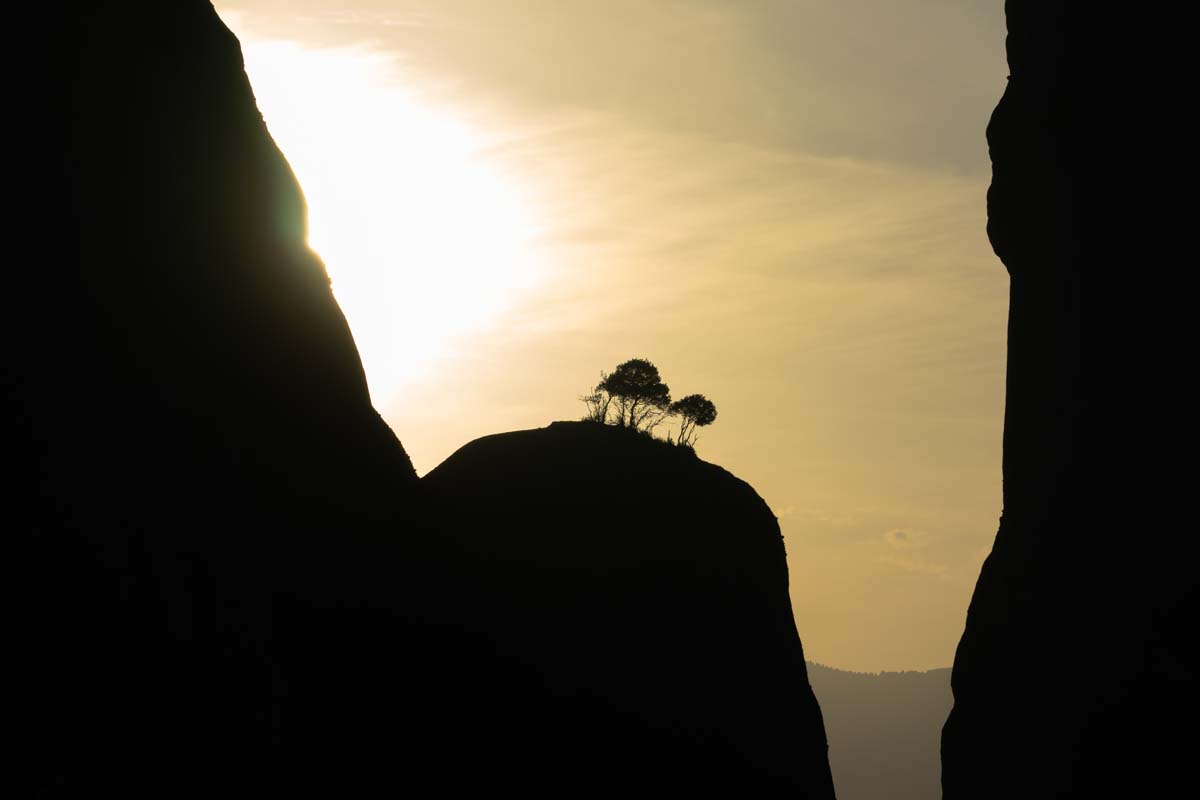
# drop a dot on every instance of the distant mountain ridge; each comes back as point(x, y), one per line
point(886, 673)
point(884, 730)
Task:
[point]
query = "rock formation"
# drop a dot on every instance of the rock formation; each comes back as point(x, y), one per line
point(647, 591)
point(189, 426)
point(226, 575)
point(1075, 676)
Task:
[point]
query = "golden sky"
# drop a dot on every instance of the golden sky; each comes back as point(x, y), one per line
point(779, 202)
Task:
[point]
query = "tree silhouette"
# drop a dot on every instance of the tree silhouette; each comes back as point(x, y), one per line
point(635, 392)
point(598, 402)
point(695, 411)
point(634, 396)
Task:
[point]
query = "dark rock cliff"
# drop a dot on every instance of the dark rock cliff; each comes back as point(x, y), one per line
point(225, 574)
point(188, 429)
point(646, 591)
point(1075, 676)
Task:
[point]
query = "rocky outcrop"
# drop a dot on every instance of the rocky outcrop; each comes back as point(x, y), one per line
point(644, 594)
point(186, 415)
point(226, 575)
point(1075, 676)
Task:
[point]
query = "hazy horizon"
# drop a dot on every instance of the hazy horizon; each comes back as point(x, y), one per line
point(781, 204)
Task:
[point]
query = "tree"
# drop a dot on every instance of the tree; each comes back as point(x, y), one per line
point(636, 393)
point(695, 411)
point(597, 402)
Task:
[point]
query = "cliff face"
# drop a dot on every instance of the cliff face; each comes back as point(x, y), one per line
point(186, 415)
point(1074, 675)
point(644, 594)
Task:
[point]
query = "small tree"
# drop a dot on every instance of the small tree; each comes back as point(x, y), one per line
point(597, 401)
point(637, 394)
point(695, 411)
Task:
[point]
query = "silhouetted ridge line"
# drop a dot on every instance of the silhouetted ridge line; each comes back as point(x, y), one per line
point(883, 730)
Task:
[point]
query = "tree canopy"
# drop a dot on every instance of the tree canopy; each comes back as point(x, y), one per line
point(634, 396)
point(641, 398)
point(694, 411)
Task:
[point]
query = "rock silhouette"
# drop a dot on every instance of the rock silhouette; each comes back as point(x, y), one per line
point(189, 426)
point(1075, 676)
point(647, 591)
point(226, 571)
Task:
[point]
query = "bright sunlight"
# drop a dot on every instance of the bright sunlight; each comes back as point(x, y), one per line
point(424, 240)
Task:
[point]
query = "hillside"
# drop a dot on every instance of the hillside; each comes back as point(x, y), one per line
point(884, 731)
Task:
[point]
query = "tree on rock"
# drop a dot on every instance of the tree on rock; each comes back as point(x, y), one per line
point(598, 402)
point(694, 411)
point(638, 396)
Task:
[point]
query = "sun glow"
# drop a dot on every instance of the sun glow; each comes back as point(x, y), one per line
point(424, 240)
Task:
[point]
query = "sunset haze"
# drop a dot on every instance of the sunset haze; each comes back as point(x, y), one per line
point(781, 204)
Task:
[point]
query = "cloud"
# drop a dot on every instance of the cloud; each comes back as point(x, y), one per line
point(903, 539)
point(868, 79)
point(920, 566)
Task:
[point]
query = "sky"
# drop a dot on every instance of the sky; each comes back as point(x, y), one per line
point(780, 203)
